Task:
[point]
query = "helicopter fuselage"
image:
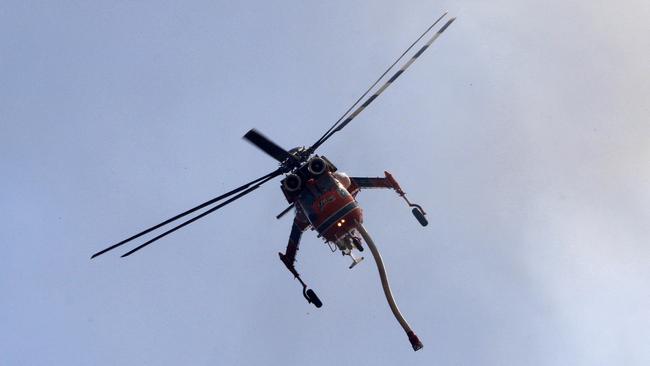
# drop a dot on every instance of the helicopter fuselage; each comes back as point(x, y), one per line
point(331, 210)
point(322, 199)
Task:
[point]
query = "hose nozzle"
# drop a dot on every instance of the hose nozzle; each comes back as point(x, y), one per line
point(415, 341)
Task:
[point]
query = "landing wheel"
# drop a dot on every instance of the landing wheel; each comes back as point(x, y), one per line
point(312, 298)
point(419, 215)
point(357, 244)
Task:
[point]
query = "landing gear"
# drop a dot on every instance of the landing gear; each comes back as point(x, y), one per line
point(419, 215)
point(388, 182)
point(309, 294)
point(357, 243)
point(311, 297)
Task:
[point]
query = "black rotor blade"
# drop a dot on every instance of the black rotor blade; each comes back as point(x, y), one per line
point(204, 204)
point(285, 211)
point(268, 146)
point(341, 123)
point(249, 190)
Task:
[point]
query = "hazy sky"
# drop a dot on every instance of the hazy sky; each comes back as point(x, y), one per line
point(524, 132)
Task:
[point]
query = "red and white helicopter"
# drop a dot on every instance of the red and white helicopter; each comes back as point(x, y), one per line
point(323, 198)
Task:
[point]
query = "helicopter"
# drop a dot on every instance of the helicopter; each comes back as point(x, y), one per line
point(323, 198)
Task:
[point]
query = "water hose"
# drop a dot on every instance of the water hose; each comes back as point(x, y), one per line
point(413, 338)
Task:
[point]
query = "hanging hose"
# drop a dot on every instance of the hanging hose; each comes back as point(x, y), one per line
point(413, 338)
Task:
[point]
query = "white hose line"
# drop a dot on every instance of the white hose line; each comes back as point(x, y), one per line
point(415, 342)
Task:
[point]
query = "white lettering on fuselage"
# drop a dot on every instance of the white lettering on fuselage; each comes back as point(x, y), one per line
point(323, 202)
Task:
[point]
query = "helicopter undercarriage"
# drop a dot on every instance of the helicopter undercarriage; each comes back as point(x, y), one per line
point(352, 240)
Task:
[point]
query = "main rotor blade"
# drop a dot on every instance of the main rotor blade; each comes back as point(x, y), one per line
point(268, 146)
point(249, 190)
point(338, 127)
point(322, 138)
point(204, 204)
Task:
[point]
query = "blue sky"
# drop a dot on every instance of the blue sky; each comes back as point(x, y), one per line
point(523, 132)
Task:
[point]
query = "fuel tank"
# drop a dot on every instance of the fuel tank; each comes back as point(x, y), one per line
point(329, 207)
